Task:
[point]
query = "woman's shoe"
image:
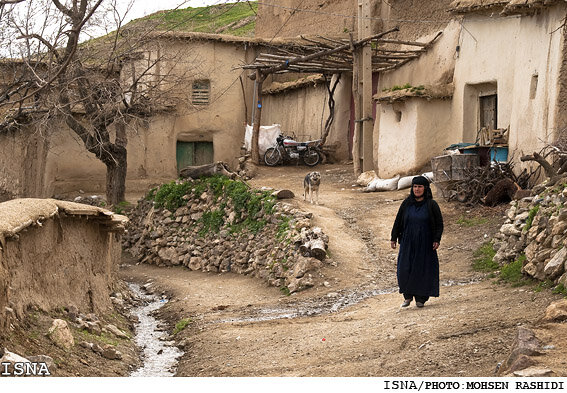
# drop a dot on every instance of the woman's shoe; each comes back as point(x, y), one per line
point(406, 303)
point(419, 304)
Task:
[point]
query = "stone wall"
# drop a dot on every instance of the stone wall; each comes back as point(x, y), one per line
point(56, 254)
point(279, 251)
point(537, 228)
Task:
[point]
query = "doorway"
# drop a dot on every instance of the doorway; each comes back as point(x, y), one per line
point(194, 153)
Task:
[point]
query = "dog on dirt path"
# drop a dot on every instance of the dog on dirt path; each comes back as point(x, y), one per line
point(311, 184)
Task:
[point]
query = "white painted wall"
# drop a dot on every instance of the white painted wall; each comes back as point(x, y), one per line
point(505, 52)
point(508, 52)
point(405, 147)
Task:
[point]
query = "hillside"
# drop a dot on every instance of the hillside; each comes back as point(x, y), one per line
point(234, 18)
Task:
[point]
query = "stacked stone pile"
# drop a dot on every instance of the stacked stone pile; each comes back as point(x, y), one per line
point(209, 233)
point(537, 228)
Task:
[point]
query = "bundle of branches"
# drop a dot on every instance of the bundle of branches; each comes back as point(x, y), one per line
point(553, 160)
point(479, 181)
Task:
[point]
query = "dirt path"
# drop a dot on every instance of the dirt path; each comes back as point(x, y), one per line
point(351, 324)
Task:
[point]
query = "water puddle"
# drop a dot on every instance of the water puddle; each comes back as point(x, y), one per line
point(325, 305)
point(159, 356)
point(313, 307)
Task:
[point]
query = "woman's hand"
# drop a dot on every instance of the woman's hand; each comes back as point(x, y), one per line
point(393, 244)
point(435, 246)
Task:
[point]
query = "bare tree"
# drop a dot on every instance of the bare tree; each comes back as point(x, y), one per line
point(97, 87)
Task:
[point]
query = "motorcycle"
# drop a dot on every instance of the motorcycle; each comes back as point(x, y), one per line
point(286, 149)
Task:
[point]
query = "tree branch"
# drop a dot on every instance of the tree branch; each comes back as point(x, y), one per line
point(549, 171)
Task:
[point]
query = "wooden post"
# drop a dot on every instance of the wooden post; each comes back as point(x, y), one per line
point(367, 125)
point(357, 111)
point(255, 151)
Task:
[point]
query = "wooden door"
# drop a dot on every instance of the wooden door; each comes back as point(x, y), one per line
point(193, 153)
point(488, 113)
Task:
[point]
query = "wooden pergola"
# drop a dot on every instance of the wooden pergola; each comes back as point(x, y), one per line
point(330, 56)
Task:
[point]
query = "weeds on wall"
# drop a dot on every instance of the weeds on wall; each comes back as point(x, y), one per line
point(250, 206)
point(510, 273)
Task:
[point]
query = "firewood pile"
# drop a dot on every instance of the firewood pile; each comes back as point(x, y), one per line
point(498, 182)
point(478, 183)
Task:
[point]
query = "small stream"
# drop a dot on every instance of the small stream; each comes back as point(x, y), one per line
point(158, 355)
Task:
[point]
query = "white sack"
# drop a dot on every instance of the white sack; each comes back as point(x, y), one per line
point(428, 176)
point(266, 138)
point(383, 184)
point(366, 177)
point(405, 182)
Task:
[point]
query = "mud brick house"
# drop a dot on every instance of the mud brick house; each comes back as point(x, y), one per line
point(451, 68)
point(207, 125)
point(496, 65)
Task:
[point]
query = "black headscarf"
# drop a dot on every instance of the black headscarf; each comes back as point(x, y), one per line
point(421, 180)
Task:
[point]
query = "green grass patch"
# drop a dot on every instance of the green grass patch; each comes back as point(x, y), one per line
point(530, 219)
point(560, 290)
point(211, 221)
point(247, 203)
point(121, 207)
point(222, 17)
point(471, 222)
point(511, 273)
point(483, 259)
point(170, 195)
point(283, 228)
point(285, 291)
point(547, 284)
point(182, 324)
point(103, 338)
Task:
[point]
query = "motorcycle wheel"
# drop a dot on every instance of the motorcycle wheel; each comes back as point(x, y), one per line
point(311, 157)
point(272, 156)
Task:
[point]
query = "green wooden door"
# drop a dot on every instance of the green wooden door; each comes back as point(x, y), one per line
point(193, 153)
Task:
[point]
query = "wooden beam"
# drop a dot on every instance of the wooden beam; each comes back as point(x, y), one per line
point(328, 52)
point(412, 43)
point(400, 42)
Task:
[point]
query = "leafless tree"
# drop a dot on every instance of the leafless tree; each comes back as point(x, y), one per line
point(51, 72)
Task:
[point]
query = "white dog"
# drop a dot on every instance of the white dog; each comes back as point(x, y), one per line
point(311, 184)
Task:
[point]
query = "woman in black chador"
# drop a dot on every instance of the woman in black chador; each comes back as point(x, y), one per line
point(418, 229)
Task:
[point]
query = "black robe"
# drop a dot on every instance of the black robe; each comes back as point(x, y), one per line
point(418, 225)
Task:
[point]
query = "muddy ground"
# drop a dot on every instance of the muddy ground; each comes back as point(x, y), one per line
point(351, 323)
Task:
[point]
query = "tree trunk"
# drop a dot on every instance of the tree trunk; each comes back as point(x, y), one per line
point(255, 151)
point(116, 177)
point(331, 104)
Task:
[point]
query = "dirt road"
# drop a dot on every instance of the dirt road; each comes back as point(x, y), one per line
point(351, 323)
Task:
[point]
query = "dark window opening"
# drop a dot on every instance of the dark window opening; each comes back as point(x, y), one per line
point(398, 115)
point(533, 86)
